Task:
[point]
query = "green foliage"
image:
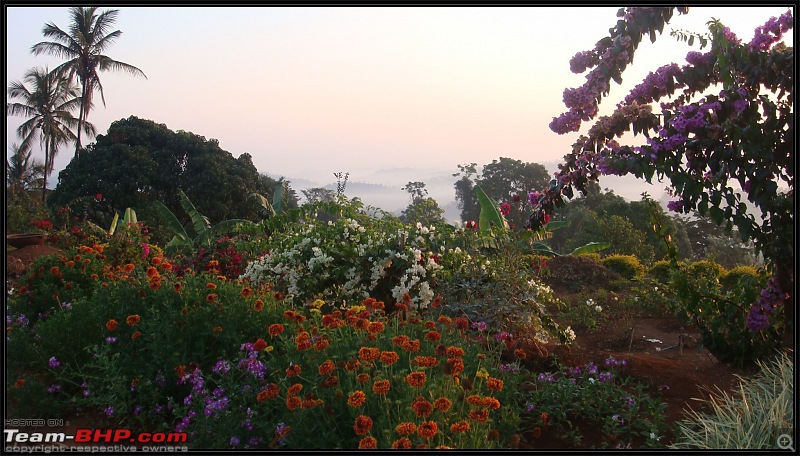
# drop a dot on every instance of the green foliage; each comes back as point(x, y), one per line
point(661, 271)
point(567, 402)
point(583, 314)
point(731, 277)
point(627, 266)
point(138, 162)
point(754, 417)
point(203, 233)
point(721, 313)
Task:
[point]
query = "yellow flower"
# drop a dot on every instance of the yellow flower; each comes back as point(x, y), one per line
point(269, 348)
point(315, 311)
point(482, 373)
point(318, 303)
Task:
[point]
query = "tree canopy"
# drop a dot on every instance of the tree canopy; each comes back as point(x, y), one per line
point(139, 161)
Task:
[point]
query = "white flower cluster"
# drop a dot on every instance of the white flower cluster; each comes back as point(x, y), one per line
point(590, 303)
point(344, 261)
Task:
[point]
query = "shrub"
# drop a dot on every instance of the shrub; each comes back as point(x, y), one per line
point(732, 276)
point(752, 419)
point(721, 314)
point(628, 266)
point(577, 272)
point(661, 271)
point(592, 256)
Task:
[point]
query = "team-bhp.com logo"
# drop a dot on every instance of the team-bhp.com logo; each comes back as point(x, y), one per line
point(84, 435)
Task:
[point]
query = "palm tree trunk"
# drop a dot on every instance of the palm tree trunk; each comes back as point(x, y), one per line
point(46, 167)
point(80, 120)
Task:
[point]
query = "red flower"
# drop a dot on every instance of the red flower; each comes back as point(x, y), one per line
point(99, 197)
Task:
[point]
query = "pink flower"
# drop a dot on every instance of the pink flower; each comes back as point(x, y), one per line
point(99, 196)
point(505, 208)
point(145, 250)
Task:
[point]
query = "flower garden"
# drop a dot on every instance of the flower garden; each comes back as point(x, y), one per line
point(350, 330)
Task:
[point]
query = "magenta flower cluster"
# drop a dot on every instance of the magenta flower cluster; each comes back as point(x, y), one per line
point(766, 304)
point(771, 32)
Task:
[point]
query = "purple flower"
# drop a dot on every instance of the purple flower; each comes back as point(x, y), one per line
point(222, 367)
point(22, 320)
point(675, 206)
point(109, 411)
point(591, 368)
point(545, 377)
point(111, 339)
point(137, 410)
point(480, 325)
point(53, 388)
point(531, 408)
point(54, 362)
point(605, 376)
point(235, 441)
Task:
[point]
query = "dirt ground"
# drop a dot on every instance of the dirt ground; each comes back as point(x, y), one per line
point(688, 373)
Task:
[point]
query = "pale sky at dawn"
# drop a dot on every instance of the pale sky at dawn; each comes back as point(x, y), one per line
point(309, 91)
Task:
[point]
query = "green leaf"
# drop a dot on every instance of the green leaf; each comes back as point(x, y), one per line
point(591, 247)
point(490, 218)
point(171, 221)
point(200, 221)
point(113, 226)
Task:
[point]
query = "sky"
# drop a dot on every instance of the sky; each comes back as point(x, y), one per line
point(389, 95)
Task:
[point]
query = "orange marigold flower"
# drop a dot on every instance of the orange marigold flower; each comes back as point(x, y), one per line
point(275, 329)
point(326, 368)
point(303, 345)
point(433, 336)
point(494, 384)
point(279, 296)
point(427, 429)
point(151, 271)
point(475, 400)
point(459, 426)
point(293, 402)
point(519, 353)
point(445, 320)
point(389, 357)
point(70, 264)
point(246, 292)
point(443, 404)
point(430, 324)
point(19, 383)
point(156, 261)
point(400, 340)
point(491, 403)
point(128, 268)
point(330, 382)
point(289, 315)
point(295, 389)
point(352, 365)
point(425, 361)
point(437, 301)
point(258, 306)
point(368, 353)
point(217, 329)
point(454, 366)
point(454, 352)
point(406, 428)
point(411, 345)
point(55, 271)
point(402, 443)
point(356, 399)
point(406, 299)
point(262, 396)
point(362, 425)
point(362, 378)
point(422, 407)
point(95, 277)
point(416, 379)
point(462, 323)
point(368, 443)
point(381, 387)
point(155, 283)
point(177, 287)
point(136, 335)
point(211, 286)
point(481, 415)
point(375, 327)
point(321, 344)
point(293, 370)
point(111, 324)
point(133, 320)
point(422, 446)
point(494, 434)
point(166, 266)
point(180, 371)
point(211, 298)
point(259, 345)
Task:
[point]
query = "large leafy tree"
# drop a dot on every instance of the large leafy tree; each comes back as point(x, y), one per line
point(48, 106)
point(83, 45)
point(726, 120)
point(139, 162)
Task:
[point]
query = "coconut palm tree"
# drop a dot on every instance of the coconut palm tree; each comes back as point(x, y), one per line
point(48, 105)
point(83, 46)
point(22, 171)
